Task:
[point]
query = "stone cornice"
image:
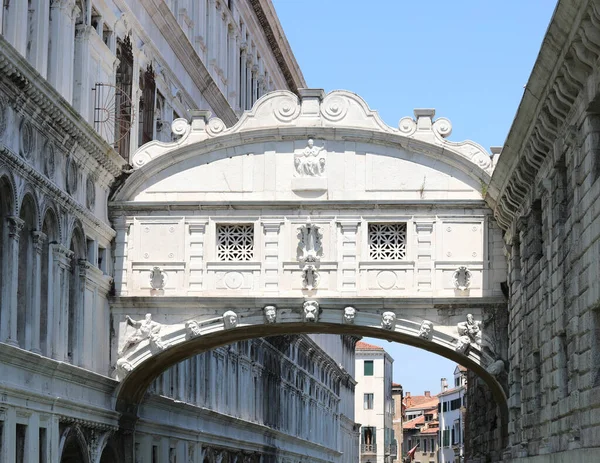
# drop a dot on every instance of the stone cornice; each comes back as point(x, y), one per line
point(279, 45)
point(18, 164)
point(557, 83)
point(49, 103)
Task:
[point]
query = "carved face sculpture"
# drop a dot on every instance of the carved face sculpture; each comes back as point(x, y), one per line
point(311, 311)
point(270, 313)
point(388, 319)
point(193, 328)
point(349, 314)
point(230, 319)
point(470, 319)
point(462, 344)
point(426, 330)
point(310, 142)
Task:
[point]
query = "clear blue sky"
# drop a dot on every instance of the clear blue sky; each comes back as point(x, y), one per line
point(468, 59)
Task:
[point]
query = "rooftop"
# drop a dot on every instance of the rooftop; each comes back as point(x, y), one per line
point(360, 345)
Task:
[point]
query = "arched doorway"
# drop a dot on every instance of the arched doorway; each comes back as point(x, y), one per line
point(73, 447)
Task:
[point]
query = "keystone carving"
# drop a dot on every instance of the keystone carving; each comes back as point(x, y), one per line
point(349, 315)
point(123, 369)
point(230, 319)
point(270, 312)
point(311, 311)
point(388, 320)
point(426, 330)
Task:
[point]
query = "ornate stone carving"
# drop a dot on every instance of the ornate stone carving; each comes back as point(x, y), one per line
point(349, 315)
point(310, 250)
point(426, 330)
point(123, 369)
point(270, 312)
point(496, 368)
point(469, 334)
point(15, 225)
point(311, 161)
point(72, 172)
point(49, 160)
point(461, 278)
point(26, 140)
point(157, 279)
point(90, 192)
point(192, 328)
point(287, 108)
point(145, 329)
point(230, 319)
point(3, 116)
point(39, 238)
point(334, 107)
point(311, 311)
point(388, 320)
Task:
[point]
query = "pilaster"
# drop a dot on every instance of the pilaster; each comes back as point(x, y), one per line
point(11, 282)
point(62, 265)
point(424, 255)
point(123, 229)
point(348, 249)
point(39, 239)
point(271, 268)
point(60, 64)
point(197, 231)
point(16, 25)
point(81, 84)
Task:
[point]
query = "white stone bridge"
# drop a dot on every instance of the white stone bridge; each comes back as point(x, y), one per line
point(310, 215)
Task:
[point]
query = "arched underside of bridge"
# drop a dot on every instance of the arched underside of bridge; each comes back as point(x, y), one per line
point(227, 321)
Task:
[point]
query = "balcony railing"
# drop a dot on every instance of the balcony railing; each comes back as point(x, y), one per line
point(391, 450)
point(369, 448)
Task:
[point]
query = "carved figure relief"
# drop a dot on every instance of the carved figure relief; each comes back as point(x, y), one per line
point(230, 319)
point(192, 328)
point(311, 311)
point(388, 320)
point(123, 368)
point(71, 176)
point(461, 278)
point(3, 117)
point(49, 160)
point(90, 192)
point(310, 250)
point(270, 312)
point(469, 334)
point(157, 279)
point(311, 161)
point(26, 140)
point(426, 330)
point(349, 315)
point(145, 329)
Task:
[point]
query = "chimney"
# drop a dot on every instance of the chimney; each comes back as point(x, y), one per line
point(444, 385)
point(427, 394)
point(407, 395)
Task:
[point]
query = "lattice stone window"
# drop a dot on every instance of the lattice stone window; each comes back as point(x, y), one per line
point(235, 242)
point(387, 241)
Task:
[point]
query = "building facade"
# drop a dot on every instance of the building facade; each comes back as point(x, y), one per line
point(451, 411)
point(421, 427)
point(398, 402)
point(83, 84)
point(374, 407)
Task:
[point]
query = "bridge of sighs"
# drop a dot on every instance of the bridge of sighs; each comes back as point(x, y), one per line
point(310, 215)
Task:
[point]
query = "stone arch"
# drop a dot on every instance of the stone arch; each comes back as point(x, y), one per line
point(108, 450)
point(51, 238)
point(7, 209)
point(77, 247)
point(29, 194)
point(8, 198)
point(137, 369)
point(73, 447)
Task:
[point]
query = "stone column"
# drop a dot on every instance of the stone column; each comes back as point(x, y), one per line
point(62, 265)
point(271, 255)
point(424, 255)
point(211, 35)
point(248, 82)
point(60, 64)
point(9, 435)
point(39, 40)
point(197, 232)
point(17, 25)
point(38, 243)
point(242, 81)
point(348, 270)
point(11, 282)
point(81, 74)
point(85, 336)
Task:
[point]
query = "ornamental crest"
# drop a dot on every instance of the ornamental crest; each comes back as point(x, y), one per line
point(310, 162)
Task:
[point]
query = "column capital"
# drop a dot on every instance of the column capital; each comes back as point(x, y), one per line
point(39, 238)
point(272, 225)
point(15, 225)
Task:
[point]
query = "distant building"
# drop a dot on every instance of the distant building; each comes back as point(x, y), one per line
point(451, 415)
point(397, 398)
point(421, 427)
point(374, 405)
